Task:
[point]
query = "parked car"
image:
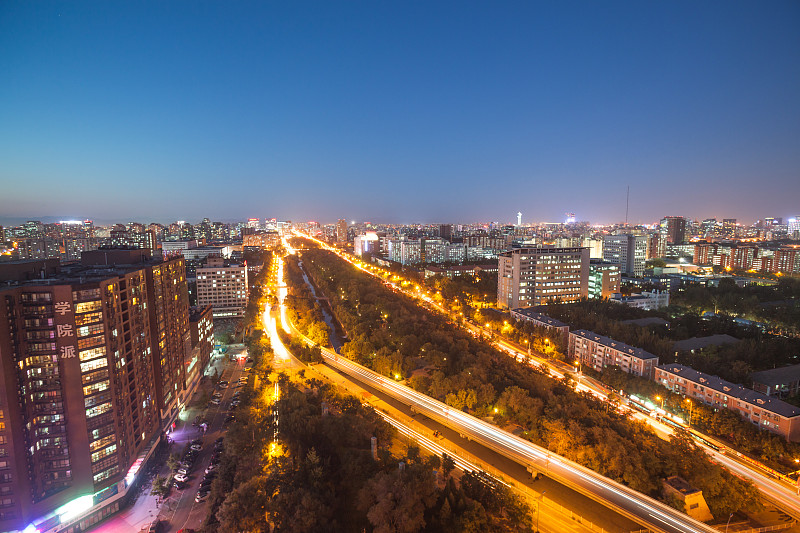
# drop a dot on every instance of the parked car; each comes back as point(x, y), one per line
point(214, 401)
point(211, 468)
point(155, 527)
point(180, 485)
point(197, 447)
point(183, 470)
point(201, 497)
point(180, 477)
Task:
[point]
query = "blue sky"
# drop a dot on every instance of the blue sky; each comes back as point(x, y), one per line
point(399, 111)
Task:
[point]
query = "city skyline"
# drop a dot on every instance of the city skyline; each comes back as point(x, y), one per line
point(9, 222)
point(400, 114)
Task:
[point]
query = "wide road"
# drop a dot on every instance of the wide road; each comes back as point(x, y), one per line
point(550, 514)
point(638, 507)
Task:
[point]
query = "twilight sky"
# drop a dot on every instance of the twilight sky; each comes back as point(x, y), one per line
point(399, 111)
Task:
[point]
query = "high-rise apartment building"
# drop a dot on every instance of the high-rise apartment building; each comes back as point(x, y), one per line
point(628, 251)
point(222, 287)
point(535, 276)
point(87, 359)
point(169, 328)
point(201, 333)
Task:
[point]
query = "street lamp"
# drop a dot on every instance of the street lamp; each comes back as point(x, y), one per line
point(691, 410)
point(729, 522)
point(662, 401)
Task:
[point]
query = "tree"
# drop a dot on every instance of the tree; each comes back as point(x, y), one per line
point(461, 399)
point(173, 461)
point(396, 501)
point(244, 508)
point(161, 487)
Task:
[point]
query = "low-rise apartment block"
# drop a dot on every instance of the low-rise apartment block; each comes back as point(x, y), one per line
point(600, 352)
point(647, 300)
point(780, 382)
point(764, 411)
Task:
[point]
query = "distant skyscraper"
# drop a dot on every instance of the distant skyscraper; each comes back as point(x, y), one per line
point(794, 227)
point(674, 229)
point(341, 231)
point(729, 227)
point(627, 251)
point(446, 231)
point(519, 218)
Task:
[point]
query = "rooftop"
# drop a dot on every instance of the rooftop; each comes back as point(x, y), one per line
point(727, 388)
point(698, 343)
point(539, 317)
point(777, 376)
point(611, 343)
point(86, 272)
point(680, 484)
